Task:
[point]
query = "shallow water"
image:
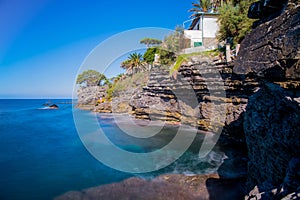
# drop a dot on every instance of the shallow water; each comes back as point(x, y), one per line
point(42, 156)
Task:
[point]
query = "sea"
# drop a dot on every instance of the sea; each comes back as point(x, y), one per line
point(42, 155)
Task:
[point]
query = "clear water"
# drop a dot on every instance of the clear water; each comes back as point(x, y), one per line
point(41, 155)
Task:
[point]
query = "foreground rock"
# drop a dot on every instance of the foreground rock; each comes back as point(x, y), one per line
point(270, 53)
point(164, 187)
point(273, 133)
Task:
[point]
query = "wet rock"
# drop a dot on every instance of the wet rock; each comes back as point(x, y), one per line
point(167, 187)
point(53, 106)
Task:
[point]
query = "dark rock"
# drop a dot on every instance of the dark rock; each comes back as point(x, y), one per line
point(266, 9)
point(271, 126)
point(53, 106)
point(271, 50)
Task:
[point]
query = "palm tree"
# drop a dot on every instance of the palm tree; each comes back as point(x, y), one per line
point(206, 6)
point(200, 6)
point(134, 63)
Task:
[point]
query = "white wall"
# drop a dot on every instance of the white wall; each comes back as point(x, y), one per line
point(194, 35)
point(210, 26)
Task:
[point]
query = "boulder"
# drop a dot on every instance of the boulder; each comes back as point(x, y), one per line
point(53, 106)
point(272, 131)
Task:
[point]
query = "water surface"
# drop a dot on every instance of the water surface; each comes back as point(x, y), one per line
point(41, 155)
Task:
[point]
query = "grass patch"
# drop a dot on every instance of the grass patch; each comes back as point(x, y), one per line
point(185, 57)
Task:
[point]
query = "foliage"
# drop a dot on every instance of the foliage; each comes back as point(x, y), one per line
point(91, 78)
point(234, 24)
point(165, 57)
point(200, 6)
point(150, 41)
point(126, 84)
point(134, 63)
point(206, 6)
point(178, 63)
point(185, 57)
point(175, 41)
point(149, 55)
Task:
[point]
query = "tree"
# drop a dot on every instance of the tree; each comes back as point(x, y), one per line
point(165, 57)
point(91, 78)
point(149, 55)
point(200, 6)
point(150, 41)
point(175, 41)
point(134, 63)
point(234, 24)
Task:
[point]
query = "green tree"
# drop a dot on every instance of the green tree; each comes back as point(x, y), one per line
point(234, 24)
point(149, 55)
point(175, 41)
point(91, 78)
point(150, 41)
point(165, 57)
point(200, 6)
point(134, 63)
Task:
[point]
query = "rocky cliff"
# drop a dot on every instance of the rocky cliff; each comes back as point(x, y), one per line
point(254, 102)
point(271, 120)
point(88, 97)
point(203, 93)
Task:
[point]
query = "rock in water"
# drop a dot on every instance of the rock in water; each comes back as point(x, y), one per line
point(53, 106)
point(272, 131)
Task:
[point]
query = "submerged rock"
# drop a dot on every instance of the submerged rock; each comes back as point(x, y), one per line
point(166, 187)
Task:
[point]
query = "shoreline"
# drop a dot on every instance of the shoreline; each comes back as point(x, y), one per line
point(167, 187)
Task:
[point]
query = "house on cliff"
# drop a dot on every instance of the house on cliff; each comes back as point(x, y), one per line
point(202, 32)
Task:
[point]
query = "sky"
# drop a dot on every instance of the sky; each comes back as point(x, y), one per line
point(44, 44)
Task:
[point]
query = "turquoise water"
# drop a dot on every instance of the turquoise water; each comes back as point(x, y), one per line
point(41, 155)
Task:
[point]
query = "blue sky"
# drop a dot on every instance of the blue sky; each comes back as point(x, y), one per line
point(43, 43)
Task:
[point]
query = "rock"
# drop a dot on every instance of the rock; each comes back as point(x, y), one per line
point(103, 107)
point(289, 189)
point(167, 187)
point(88, 96)
point(53, 106)
point(272, 50)
point(271, 126)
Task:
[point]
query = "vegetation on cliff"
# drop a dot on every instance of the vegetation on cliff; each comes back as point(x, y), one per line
point(90, 78)
point(150, 41)
point(234, 24)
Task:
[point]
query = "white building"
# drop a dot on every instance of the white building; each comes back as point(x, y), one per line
point(202, 32)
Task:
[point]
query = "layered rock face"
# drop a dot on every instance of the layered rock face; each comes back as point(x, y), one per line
point(202, 94)
point(88, 96)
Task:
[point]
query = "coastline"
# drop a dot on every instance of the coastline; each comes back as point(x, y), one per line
point(167, 187)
